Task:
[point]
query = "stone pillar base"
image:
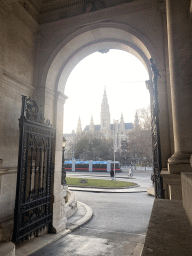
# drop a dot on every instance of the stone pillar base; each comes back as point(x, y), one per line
point(71, 205)
point(6, 229)
point(177, 168)
point(172, 185)
point(7, 249)
point(59, 216)
point(59, 225)
point(178, 163)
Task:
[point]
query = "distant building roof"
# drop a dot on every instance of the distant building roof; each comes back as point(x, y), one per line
point(97, 127)
point(67, 135)
point(128, 126)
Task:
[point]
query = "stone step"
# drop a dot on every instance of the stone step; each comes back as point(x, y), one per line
point(169, 231)
point(186, 184)
point(6, 228)
point(7, 249)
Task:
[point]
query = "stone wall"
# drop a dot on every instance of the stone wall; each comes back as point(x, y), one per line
point(16, 78)
point(18, 58)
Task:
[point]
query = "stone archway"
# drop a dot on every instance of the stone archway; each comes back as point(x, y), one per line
point(95, 38)
point(59, 66)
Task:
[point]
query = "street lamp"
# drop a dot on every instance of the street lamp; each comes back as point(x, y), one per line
point(63, 181)
point(115, 141)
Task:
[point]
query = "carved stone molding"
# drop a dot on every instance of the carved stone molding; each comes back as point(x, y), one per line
point(149, 86)
point(90, 17)
point(46, 92)
point(162, 6)
point(25, 16)
point(15, 82)
point(14, 6)
point(93, 5)
point(6, 6)
point(31, 7)
point(61, 97)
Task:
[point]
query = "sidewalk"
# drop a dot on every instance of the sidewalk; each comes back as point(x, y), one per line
point(83, 215)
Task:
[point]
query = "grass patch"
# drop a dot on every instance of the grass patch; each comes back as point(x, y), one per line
point(98, 183)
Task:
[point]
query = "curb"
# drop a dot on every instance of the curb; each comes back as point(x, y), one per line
point(151, 191)
point(104, 188)
point(97, 190)
point(83, 220)
point(71, 206)
point(104, 176)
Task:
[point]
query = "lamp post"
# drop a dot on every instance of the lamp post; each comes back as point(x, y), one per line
point(63, 181)
point(115, 130)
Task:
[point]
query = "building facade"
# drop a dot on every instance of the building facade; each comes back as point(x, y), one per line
point(117, 131)
point(118, 128)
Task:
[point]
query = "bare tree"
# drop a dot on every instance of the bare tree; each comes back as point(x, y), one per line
point(92, 148)
point(140, 140)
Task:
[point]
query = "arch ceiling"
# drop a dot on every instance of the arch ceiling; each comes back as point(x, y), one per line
point(70, 53)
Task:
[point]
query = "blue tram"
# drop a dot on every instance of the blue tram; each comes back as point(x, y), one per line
point(91, 166)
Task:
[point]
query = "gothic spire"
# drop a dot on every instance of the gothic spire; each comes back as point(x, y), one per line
point(122, 119)
point(105, 114)
point(79, 127)
point(136, 122)
point(91, 126)
point(122, 124)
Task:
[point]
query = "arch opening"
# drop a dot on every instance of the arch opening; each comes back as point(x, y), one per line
point(123, 77)
point(70, 52)
point(124, 93)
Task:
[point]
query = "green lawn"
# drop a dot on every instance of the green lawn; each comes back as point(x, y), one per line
point(98, 183)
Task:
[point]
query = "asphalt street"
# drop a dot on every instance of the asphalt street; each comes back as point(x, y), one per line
point(118, 226)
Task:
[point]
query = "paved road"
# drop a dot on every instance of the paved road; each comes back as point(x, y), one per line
point(117, 228)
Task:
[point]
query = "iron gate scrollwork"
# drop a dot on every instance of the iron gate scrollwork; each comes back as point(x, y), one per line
point(34, 175)
point(156, 134)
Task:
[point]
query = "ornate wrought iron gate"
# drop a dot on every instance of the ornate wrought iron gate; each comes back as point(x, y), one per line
point(156, 134)
point(34, 177)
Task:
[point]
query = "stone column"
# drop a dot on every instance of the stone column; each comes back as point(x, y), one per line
point(59, 218)
point(179, 31)
point(1, 66)
point(1, 106)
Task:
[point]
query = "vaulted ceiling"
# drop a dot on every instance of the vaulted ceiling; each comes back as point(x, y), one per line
point(44, 11)
point(50, 10)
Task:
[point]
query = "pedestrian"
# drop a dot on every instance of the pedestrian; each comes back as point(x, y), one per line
point(112, 174)
point(152, 179)
point(131, 167)
point(130, 171)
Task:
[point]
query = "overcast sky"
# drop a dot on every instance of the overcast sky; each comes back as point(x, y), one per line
point(124, 77)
